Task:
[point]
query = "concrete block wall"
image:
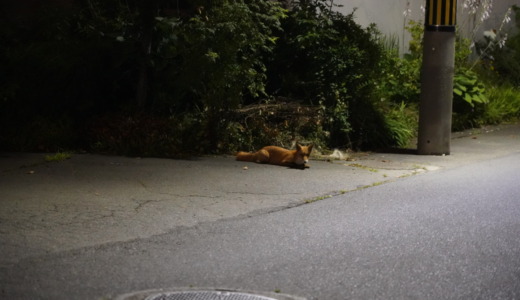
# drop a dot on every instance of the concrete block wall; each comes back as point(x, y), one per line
point(392, 15)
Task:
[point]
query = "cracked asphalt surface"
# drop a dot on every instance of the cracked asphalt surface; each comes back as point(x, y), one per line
point(92, 200)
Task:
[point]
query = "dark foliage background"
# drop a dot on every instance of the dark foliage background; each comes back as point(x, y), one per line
point(177, 77)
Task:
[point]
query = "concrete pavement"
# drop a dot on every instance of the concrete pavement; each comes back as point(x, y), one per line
point(89, 200)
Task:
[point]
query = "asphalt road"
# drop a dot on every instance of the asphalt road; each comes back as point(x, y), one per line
point(450, 234)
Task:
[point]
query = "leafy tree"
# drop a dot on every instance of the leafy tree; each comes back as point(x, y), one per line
point(216, 59)
point(324, 58)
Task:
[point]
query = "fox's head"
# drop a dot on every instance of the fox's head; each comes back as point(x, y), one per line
point(302, 154)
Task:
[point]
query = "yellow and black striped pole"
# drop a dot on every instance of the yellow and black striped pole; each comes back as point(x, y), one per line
point(441, 15)
point(435, 110)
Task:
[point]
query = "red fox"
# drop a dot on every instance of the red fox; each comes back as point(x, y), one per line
point(279, 156)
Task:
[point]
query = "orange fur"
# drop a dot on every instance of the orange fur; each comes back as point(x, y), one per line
point(278, 156)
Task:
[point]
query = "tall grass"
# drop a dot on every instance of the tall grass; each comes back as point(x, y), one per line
point(504, 104)
point(401, 120)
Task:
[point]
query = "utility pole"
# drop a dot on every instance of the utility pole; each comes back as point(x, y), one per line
point(438, 67)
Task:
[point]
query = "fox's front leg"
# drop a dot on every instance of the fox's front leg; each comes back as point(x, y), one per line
point(262, 156)
point(297, 166)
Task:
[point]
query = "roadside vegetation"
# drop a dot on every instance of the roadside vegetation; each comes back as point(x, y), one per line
point(154, 79)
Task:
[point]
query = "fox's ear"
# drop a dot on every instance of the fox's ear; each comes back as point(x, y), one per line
point(310, 147)
point(298, 147)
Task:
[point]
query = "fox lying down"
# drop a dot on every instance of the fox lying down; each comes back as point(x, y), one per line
point(279, 156)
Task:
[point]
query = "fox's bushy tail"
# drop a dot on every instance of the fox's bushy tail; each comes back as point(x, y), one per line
point(246, 156)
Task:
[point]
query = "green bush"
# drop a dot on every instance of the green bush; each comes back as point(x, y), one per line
point(324, 58)
point(397, 92)
point(54, 77)
point(504, 104)
point(468, 88)
point(399, 78)
point(215, 61)
point(216, 58)
point(469, 99)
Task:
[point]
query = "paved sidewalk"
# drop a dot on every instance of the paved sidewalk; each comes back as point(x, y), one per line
point(90, 200)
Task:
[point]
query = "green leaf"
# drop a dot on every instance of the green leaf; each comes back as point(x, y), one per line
point(462, 88)
point(468, 98)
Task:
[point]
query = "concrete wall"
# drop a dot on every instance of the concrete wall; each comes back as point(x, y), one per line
point(392, 15)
